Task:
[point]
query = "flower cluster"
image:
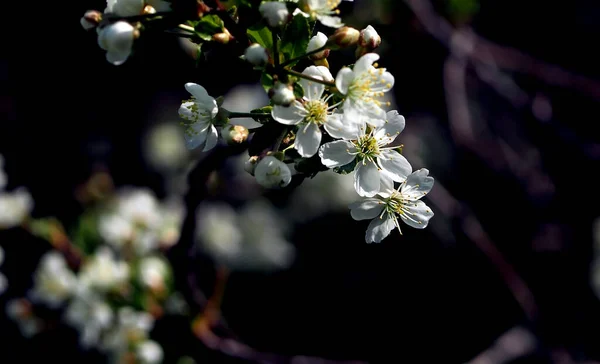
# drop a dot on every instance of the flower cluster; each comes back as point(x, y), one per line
point(15, 205)
point(121, 284)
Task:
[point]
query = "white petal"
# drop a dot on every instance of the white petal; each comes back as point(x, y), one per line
point(337, 153)
point(194, 140)
point(312, 90)
point(386, 185)
point(198, 92)
point(418, 215)
point(289, 115)
point(308, 139)
point(394, 124)
point(366, 179)
point(394, 165)
point(379, 229)
point(344, 79)
point(364, 63)
point(384, 82)
point(316, 42)
point(330, 21)
point(211, 138)
point(324, 73)
point(339, 127)
point(117, 58)
point(366, 209)
point(417, 184)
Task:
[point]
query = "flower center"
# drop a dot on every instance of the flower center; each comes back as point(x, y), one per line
point(317, 112)
point(367, 146)
point(395, 204)
point(362, 87)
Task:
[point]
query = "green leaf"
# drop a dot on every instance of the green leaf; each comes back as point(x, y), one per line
point(295, 37)
point(85, 234)
point(209, 25)
point(348, 168)
point(267, 81)
point(261, 34)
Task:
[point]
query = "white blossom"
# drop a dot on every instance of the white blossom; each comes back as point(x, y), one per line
point(404, 202)
point(364, 85)
point(15, 206)
point(275, 13)
point(152, 273)
point(256, 54)
point(117, 40)
point(312, 112)
point(377, 163)
point(91, 316)
point(149, 352)
point(248, 239)
point(131, 326)
point(103, 271)
point(369, 38)
point(53, 281)
point(323, 10)
point(199, 114)
point(270, 172)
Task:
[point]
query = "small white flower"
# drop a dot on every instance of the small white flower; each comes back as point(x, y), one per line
point(256, 55)
point(275, 13)
point(54, 282)
point(124, 7)
point(132, 326)
point(317, 42)
point(149, 352)
point(377, 164)
point(270, 172)
point(323, 10)
point(152, 273)
point(364, 85)
point(282, 94)
point(313, 112)
point(369, 38)
point(91, 316)
point(140, 206)
point(405, 202)
point(15, 206)
point(199, 114)
point(103, 271)
point(117, 40)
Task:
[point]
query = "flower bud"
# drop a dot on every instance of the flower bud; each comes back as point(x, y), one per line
point(148, 9)
point(117, 40)
point(91, 19)
point(316, 42)
point(256, 55)
point(344, 37)
point(234, 134)
point(282, 94)
point(250, 164)
point(270, 172)
point(224, 37)
point(369, 38)
point(275, 13)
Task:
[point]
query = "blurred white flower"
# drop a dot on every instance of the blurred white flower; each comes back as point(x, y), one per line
point(244, 98)
point(275, 13)
point(164, 147)
point(149, 352)
point(323, 10)
point(91, 316)
point(103, 271)
point(19, 310)
point(131, 327)
point(256, 54)
point(15, 206)
point(153, 272)
point(326, 192)
point(53, 280)
point(246, 240)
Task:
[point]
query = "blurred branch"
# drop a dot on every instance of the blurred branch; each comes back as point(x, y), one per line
point(207, 311)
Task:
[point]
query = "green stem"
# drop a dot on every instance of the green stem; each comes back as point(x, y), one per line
point(233, 114)
point(275, 49)
point(290, 61)
point(306, 77)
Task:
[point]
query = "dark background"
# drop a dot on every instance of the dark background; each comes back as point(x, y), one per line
point(414, 298)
